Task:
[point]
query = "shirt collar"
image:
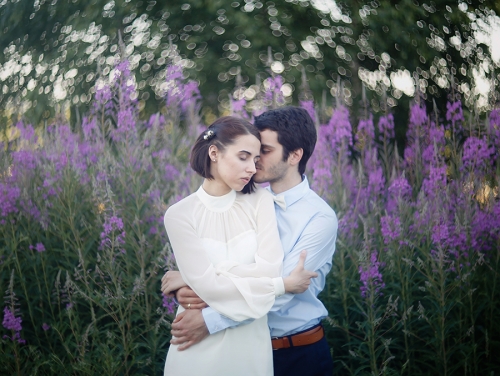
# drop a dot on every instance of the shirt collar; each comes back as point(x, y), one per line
point(294, 194)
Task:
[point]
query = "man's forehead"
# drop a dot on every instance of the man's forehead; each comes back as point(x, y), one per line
point(269, 137)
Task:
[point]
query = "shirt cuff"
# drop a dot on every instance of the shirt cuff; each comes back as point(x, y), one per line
point(212, 320)
point(279, 286)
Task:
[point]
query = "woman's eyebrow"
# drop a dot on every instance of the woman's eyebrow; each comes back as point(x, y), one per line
point(247, 152)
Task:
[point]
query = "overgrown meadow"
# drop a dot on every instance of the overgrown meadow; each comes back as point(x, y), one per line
point(414, 286)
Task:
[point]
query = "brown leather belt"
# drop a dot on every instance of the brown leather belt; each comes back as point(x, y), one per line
point(300, 339)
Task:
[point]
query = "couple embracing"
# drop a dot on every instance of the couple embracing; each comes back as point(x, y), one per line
point(251, 260)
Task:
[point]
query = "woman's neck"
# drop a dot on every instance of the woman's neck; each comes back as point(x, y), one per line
point(215, 188)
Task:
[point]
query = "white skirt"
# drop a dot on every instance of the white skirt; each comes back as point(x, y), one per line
point(241, 351)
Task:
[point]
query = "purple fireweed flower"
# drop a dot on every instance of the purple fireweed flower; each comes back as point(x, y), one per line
point(155, 195)
point(418, 119)
point(485, 228)
point(9, 196)
point(113, 234)
point(171, 173)
point(103, 95)
point(238, 107)
point(116, 99)
point(191, 95)
point(435, 182)
point(39, 247)
point(376, 182)
point(349, 224)
point(398, 190)
point(169, 304)
point(11, 322)
point(340, 131)
point(440, 234)
point(400, 187)
point(45, 327)
point(155, 120)
point(433, 146)
point(91, 131)
point(365, 135)
point(417, 129)
point(27, 132)
point(370, 276)
point(386, 127)
point(477, 154)
point(179, 92)
point(309, 107)
point(272, 92)
point(321, 163)
point(322, 179)
point(24, 160)
point(29, 209)
point(390, 226)
point(455, 115)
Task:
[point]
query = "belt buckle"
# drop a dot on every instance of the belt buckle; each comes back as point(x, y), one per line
point(272, 342)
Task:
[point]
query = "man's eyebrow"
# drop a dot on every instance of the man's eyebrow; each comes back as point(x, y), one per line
point(266, 146)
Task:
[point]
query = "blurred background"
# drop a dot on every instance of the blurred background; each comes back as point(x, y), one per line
point(101, 101)
point(382, 53)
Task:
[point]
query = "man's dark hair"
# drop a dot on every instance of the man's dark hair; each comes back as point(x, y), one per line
point(295, 130)
point(221, 133)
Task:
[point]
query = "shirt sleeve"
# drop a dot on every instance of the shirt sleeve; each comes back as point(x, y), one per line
point(216, 322)
point(318, 239)
point(236, 297)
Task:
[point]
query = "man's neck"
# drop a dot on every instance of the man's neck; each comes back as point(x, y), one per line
point(288, 182)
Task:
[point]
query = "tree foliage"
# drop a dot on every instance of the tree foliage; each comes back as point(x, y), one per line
point(55, 51)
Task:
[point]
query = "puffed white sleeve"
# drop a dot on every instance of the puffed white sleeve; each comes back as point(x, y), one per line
point(233, 296)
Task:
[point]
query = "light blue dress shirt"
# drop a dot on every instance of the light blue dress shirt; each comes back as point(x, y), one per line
point(307, 223)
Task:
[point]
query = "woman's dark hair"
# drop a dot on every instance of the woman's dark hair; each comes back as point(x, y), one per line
point(295, 128)
point(221, 133)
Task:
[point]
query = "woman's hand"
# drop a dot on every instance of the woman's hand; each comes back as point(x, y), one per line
point(299, 279)
point(170, 282)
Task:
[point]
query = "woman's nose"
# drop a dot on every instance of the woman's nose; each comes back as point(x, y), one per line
point(251, 167)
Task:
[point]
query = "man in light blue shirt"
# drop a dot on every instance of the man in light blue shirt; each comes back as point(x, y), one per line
point(305, 222)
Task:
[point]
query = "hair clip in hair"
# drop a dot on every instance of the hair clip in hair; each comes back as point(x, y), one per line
point(208, 135)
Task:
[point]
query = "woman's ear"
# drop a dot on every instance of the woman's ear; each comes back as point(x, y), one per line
point(213, 153)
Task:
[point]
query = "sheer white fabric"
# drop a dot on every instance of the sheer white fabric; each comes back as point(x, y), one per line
point(229, 252)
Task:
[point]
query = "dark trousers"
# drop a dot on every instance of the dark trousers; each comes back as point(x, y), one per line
point(309, 360)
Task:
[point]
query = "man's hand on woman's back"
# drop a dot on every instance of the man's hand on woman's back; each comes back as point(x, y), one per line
point(299, 279)
point(188, 299)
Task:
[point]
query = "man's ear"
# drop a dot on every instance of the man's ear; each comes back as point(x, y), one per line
point(295, 156)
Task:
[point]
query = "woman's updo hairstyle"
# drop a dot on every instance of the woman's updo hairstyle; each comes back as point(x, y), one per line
point(221, 133)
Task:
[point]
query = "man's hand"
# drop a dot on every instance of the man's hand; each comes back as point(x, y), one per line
point(299, 279)
point(171, 281)
point(188, 328)
point(188, 299)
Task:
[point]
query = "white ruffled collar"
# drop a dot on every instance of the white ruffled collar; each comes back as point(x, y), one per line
point(216, 203)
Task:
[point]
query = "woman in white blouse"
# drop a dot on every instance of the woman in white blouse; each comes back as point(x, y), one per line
point(226, 244)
